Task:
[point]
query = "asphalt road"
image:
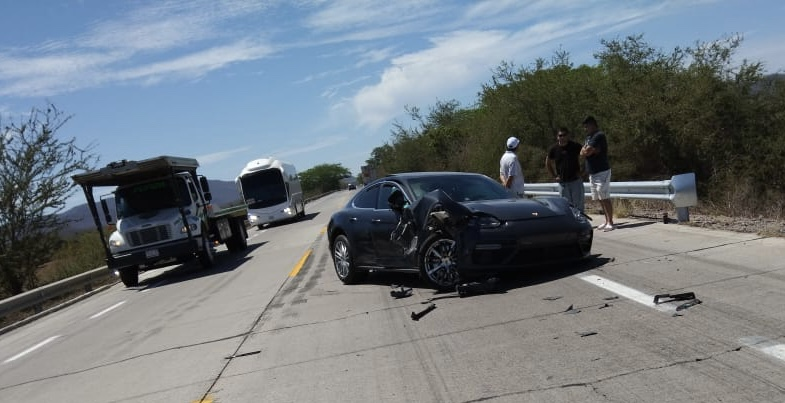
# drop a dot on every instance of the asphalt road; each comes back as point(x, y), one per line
point(275, 325)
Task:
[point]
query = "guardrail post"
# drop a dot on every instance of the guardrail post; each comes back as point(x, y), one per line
point(683, 214)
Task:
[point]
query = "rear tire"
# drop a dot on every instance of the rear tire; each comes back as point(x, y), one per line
point(342, 259)
point(129, 276)
point(438, 263)
point(238, 241)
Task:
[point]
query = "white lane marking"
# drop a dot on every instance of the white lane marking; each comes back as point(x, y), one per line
point(107, 310)
point(31, 349)
point(765, 346)
point(762, 344)
point(627, 292)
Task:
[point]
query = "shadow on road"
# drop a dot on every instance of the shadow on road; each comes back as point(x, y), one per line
point(224, 262)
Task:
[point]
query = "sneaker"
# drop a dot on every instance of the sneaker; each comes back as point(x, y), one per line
point(609, 227)
point(601, 226)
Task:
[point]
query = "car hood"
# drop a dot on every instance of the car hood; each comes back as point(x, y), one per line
point(515, 209)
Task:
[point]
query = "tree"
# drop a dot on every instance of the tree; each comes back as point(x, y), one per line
point(323, 178)
point(35, 181)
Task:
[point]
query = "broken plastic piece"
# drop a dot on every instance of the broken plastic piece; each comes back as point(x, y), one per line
point(674, 297)
point(487, 286)
point(418, 315)
point(401, 292)
point(688, 304)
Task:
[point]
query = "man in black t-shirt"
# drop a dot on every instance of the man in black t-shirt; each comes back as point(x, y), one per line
point(595, 150)
point(564, 166)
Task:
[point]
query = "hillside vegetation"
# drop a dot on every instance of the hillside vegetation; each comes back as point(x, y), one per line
point(689, 110)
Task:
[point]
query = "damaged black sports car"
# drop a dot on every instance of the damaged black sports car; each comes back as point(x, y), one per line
point(451, 226)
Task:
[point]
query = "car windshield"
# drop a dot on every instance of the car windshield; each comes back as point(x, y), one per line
point(264, 189)
point(459, 187)
point(150, 196)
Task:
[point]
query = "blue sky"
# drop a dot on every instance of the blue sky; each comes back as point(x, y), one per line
point(310, 81)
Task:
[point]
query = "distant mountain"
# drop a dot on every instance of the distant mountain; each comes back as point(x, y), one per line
point(224, 193)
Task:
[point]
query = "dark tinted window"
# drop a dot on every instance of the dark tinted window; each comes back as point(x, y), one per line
point(387, 189)
point(367, 197)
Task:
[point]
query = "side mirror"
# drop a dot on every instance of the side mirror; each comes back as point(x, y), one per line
point(105, 208)
point(205, 188)
point(396, 201)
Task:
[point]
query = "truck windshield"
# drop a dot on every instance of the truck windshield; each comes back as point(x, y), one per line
point(149, 196)
point(264, 189)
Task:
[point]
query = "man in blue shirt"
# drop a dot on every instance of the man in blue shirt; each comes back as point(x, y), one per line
point(595, 150)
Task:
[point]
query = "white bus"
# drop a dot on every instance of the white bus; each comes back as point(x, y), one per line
point(272, 191)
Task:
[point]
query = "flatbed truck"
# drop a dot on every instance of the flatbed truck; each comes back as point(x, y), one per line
point(164, 215)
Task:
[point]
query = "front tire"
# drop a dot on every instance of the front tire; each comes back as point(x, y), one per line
point(342, 259)
point(129, 276)
point(206, 255)
point(438, 263)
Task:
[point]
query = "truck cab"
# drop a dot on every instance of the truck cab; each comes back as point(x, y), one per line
point(149, 215)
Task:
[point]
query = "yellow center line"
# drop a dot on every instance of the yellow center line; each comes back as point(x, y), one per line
point(300, 263)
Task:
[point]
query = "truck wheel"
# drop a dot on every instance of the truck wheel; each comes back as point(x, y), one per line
point(129, 276)
point(238, 241)
point(438, 266)
point(301, 214)
point(206, 256)
point(342, 259)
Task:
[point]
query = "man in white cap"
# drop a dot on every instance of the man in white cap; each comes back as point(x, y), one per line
point(510, 172)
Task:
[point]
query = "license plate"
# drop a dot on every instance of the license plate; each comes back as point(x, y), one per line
point(151, 253)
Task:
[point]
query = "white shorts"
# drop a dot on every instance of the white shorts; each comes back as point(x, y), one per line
point(600, 185)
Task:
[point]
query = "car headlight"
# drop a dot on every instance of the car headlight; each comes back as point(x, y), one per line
point(252, 218)
point(578, 215)
point(487, 221)
point(116, 240)
point(184, 230)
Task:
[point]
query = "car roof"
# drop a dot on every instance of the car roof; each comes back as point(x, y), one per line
point(409, 175)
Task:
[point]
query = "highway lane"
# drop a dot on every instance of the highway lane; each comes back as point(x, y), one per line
point(254, 330)
point(589, 333)
point(164, 341)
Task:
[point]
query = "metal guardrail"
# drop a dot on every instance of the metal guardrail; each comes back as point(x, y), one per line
point(35, 298)
point(679, 190)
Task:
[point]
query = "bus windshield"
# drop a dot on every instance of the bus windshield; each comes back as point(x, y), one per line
point(264, 189)
point(149, 196)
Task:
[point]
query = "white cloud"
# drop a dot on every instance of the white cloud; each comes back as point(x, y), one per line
point(132, 48)
point(317, 145)
point(455, 60)
point(197, 64)
point(343, 15)
point(212, 158)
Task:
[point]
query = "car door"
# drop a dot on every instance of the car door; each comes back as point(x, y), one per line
point(360, 224)
point(384, 221)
